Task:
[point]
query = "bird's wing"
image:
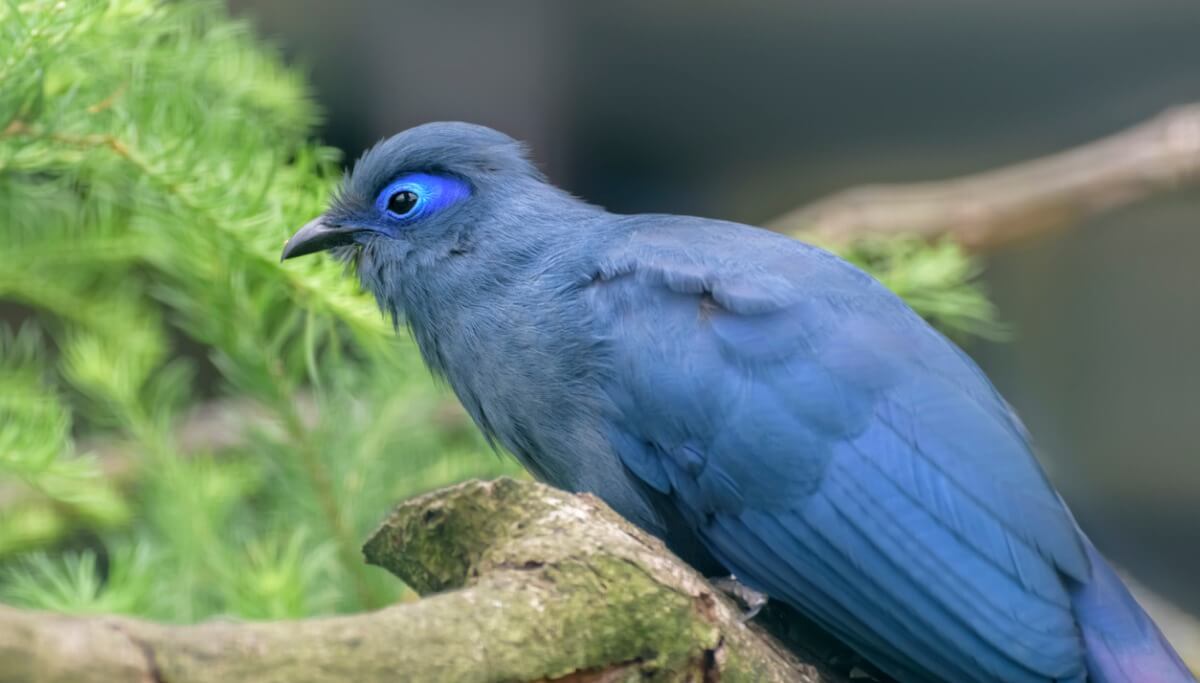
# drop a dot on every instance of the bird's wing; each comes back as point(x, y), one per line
point(836, 452)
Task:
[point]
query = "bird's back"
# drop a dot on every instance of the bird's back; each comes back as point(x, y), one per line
point(829, 447)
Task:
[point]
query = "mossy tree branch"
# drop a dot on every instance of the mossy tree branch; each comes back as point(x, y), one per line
point(524, 583)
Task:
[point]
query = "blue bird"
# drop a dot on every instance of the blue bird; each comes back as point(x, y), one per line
point(766, 408)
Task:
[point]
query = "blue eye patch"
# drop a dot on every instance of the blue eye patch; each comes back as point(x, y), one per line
point(414, 196)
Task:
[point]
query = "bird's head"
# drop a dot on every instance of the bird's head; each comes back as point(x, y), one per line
point(426, 197)
point(418, 188)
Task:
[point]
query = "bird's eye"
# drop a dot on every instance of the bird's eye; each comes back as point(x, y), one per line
point(402, 202)
point(415, 197)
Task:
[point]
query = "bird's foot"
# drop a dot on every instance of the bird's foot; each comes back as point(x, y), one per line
point(749, 599)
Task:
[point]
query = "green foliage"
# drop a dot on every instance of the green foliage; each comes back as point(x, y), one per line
point(939, 280)
point(36, 449)
point(73, 582)
point(153, 158)
point(252, 421)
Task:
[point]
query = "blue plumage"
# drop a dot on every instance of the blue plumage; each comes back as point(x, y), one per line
point(416, 196)
point(765, 407)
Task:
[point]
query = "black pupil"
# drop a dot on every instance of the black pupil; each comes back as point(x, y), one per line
point(402, 202)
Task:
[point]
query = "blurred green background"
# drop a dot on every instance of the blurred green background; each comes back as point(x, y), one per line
point(188, 428)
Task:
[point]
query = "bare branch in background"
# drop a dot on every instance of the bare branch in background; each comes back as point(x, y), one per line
point(1001, 206)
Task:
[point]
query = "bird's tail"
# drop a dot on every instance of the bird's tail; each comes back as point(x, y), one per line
point(1123, 644)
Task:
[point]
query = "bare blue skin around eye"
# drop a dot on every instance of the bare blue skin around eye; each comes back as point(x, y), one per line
point(435, 193)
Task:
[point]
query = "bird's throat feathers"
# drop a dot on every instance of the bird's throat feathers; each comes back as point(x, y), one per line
point(476, 283)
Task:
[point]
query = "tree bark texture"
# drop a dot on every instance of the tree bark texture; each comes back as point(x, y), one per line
point(522, 583)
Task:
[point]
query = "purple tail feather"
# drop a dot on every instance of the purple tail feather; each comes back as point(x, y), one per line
point(1123, 644)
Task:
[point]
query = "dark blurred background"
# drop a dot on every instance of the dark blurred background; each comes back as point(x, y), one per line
point(745, 110)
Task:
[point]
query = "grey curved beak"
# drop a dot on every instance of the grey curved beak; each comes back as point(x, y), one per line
point(317, 235)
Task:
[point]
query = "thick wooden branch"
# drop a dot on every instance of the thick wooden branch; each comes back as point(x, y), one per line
point(524, 583)
point(1004, 205)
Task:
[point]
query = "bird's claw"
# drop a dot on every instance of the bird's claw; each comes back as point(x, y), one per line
point(747, 598)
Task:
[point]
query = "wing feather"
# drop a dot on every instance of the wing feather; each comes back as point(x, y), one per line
point(833, 450)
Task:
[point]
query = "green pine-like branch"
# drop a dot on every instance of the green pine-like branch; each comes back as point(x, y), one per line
point(153, 157)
